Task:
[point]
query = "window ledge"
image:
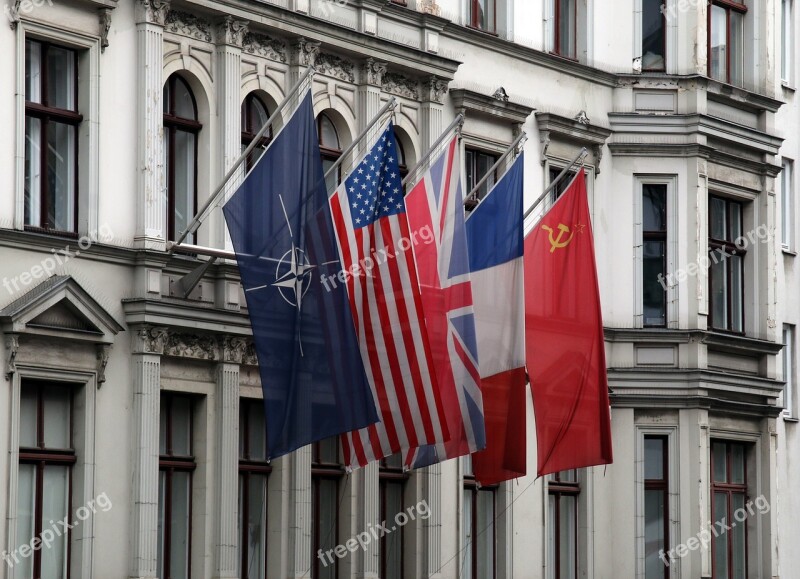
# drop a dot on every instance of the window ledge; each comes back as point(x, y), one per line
point(788, 252)
point(791, 419)
point(786, 86)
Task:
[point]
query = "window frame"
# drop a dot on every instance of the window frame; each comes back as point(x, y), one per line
point(41, 456)
point(729, 6)
point(327, 153)
point(662, 236)
point(729, 489)
point(787, 204)
point(663, 485)
point(471, 161)
point(170, 463)
point(248, 467)
point(248, 134)
point(789, 370)
point(787, 41)
point(557, 30)
point(471, 485)
point(664, 31)
point(321, 470)
point(558, 488)
point(472, 18)
point(46, 114)
point(391, 475)
point(172, 124)
point(729, 247)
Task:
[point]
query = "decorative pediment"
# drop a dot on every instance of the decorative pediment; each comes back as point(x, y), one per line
point(496, 105)
point(60, 307)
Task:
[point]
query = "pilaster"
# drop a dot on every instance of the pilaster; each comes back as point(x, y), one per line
point(300, 512)
point(147, 348)
point(150, 186)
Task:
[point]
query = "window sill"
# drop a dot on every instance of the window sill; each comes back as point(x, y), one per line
point(479, 29)
point(791, 419)
point(788, 252)
point(786, 86)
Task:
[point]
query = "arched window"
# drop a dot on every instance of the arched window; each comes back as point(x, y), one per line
point(401, 156)
point(330, 147)
point(254, 116)
point(180, 155)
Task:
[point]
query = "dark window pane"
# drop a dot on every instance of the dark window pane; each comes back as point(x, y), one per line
point(257, 431)
point(654, 286)
point(738, 569)
point(26, 515)
point(720, 458)
point(393, 543)
point(468, 534)
point(184, 102)
point(566, 28)
point(179, 525)
point(718, 219)
point(719, 292)
point(567, 536)
point(736, 220)
point(737, 464)
point(328, 136)
point(33, 71)
point(737, 48)
point(55, 502)
point(327, 525)
point(61, 176)
point(721, 541)
point(60, 78)
point(185, 151)
point(329, 450)
point(28, 418)
point(56, 419)
point(256, 527)
point(654, 209)
point(736, 264)
point(654, 533)
point(33, 171)
point(719, 44)
point(181, 426)
point(652, 35)
point(654, 458)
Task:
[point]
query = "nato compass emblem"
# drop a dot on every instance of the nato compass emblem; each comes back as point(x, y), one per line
point(293, 285)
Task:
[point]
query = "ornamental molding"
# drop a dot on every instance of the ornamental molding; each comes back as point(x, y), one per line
point(335, 66)
point(149, 340)
point(400, 85)
point(152, 11)
point(262, 45)
point(435, 89)
point(12, 348)
point(197, 346)
point(234, 349)
point(250, 358)
point(232, 31)
point(429, 7)
point(373, 72)
point(105, 27)
point(186, 24)
point(103, 351)
point(306, 52)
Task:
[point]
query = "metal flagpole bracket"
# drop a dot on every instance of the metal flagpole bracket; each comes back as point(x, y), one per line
point(579, 160)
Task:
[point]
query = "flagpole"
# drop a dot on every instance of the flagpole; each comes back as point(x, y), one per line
point(579, 159)
point(194, 224)
point(469, 198)
point(456, 122)
point(391, 104)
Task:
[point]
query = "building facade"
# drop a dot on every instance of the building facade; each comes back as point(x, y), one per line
point(132, 409)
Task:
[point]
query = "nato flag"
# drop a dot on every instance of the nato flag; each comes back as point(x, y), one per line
point(311, 370)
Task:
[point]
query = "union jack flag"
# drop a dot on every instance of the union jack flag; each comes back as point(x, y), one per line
point(437, 204)
point(369, 215)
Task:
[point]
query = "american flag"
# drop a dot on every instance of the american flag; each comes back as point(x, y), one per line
point(369, 215)
point(437, 204)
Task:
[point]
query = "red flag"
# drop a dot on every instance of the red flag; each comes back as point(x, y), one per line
point(564, 347)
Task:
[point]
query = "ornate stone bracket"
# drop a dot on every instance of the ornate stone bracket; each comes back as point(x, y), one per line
point(544, 142)
point(187, 24)
point(234, 349)
point(429, 7)
point(105, 26)
point(102, 362)
point(435, 89)
point(152, 11)
point(149, 340)
point(13, 14)
point(400, 85)
point(335, 66)
point(198, 346)
point(232, 31)
point(12, 347)
point(263, 45)
point(373, 72)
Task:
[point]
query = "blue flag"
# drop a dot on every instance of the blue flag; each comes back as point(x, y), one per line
point(311, 370)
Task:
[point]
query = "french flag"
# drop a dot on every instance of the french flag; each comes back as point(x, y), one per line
point(495, 239)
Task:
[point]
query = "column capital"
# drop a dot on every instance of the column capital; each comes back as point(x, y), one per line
point(231, 31)
point(234, 349)
point(306, 52)
point(434, 89)
point(152, 11)
point(149, 340)
point(372, 72)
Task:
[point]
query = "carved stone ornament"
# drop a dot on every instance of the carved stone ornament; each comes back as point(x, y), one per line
point(105, 26)
point(373, 72)
point(501, 95)
point(187, 24)
point(250, 358)
point(435, 88)
point(12, 347)
point(583, 118)
point(234, 349)
point(334, 66)
point(102, 362)
point(190, 346)
point(429, 7)
point(400, 85)
point(232, 31)
point(13, 14)
point(263, 45)
point(152, 11)
point(149, 340)
point(306, 52)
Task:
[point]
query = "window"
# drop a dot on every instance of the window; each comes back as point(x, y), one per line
point(728, 495)
point(478, 165)
point(51, 137)
point(788, 369)
point(392, 483)
point(331, 149)
point(726, 41)
point(326, 475)
point(565, 14)
point(562, 524)
point(254, 116)
point(727, 265)
point(479, 532)
point(654, 250)
point(656, 506)
point(401, 157)
point(176, 464)
point(46, 456)
point(654, 37)
point(180, 155)
point(254, 473)
point(787, 40)
point(787, 205)
point(482, 14)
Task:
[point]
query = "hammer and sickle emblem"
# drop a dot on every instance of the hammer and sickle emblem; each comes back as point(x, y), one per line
point(556, 242)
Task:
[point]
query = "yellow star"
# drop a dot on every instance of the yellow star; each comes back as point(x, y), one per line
point(579, 228)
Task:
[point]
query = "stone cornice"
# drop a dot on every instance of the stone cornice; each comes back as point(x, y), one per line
point(577, 130)
point(474, 102)
point(718, 340)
